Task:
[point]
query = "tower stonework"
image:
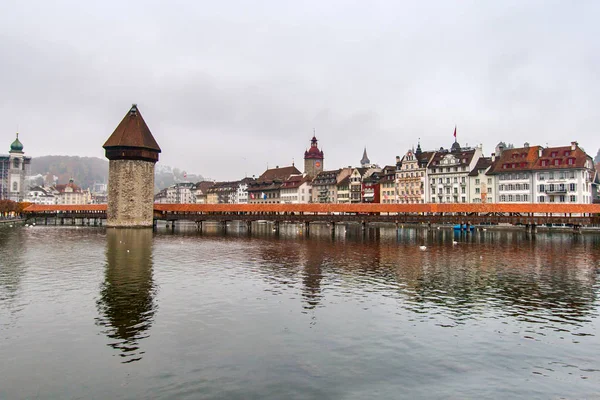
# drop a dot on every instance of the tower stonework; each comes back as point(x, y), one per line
point(132, 153)
point(313, 159)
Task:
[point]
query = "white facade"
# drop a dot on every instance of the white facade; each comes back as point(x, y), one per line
point(482, 187)
point(448, 175)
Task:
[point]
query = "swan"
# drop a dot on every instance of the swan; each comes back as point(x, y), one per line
point(423, 247)
point(454, 242)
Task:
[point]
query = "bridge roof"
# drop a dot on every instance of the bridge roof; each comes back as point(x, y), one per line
point(349, 208)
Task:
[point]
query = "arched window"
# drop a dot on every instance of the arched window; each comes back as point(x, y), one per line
point(15, 187)
point(16, 163)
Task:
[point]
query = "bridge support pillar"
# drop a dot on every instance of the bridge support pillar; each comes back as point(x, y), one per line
point(576, 229)
point(172, 226)
point(307, 228)
point(46, 221)
point(332, 229)
point(224, 226)
point(276, 227)
point(249, 227)
point(533, 229)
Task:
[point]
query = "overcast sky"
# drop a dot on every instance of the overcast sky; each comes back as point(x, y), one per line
point(228, 87)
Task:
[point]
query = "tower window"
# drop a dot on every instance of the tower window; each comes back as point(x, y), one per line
point(15, 187)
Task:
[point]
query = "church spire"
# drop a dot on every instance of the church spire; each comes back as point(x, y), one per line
point(365, 160)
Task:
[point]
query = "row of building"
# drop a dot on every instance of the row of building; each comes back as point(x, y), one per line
point(528, 174)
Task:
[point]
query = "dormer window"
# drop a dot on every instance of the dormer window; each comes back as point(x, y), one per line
point(544, 163)
point(571, 161)
point(554, 154)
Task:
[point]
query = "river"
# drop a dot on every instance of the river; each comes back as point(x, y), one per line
point(117, 313)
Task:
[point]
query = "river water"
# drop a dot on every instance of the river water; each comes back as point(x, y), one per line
point(108, 313)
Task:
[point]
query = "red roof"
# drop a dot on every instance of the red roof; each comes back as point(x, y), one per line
point(132, 132)
point(561, 158)
point(519, 159)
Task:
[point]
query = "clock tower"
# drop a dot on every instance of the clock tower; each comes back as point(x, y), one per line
point(313, 159)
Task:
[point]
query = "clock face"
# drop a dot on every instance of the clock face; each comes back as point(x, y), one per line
point(317, 164)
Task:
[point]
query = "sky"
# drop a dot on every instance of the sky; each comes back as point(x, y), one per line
point(230, 88)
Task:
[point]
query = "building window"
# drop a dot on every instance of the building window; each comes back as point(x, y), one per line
point(463, 190)
point(525, 197)
point(489, 181)
point(572, 187)
point(477, 181)
point(477, 191)
point(16, 163)
point(503, 198)
point(510, 197)
point(573, 199)
point(15, 187)
point(562, 198)
point(541, 199)
point(542, 188)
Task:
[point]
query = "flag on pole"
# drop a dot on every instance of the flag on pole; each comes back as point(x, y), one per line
point(454, 131)
point(263, 195)
point(252, 195)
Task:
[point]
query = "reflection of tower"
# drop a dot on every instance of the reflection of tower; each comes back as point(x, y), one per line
point(132, 153)
point(126, 304)
point(311, 280)
point(313, 159)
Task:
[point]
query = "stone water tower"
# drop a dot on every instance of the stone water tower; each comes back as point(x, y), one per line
point(132, 153)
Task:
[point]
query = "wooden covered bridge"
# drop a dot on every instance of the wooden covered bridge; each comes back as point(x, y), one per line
point(528, 215)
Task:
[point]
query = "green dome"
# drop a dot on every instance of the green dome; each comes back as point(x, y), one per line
point(16, 145)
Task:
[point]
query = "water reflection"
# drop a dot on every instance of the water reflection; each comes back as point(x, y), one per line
point(12, 268)
point(126, 303)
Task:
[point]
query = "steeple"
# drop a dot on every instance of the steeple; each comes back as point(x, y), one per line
point(365, 160)
point(418, 151)
point(313, 158)
point(16, 146)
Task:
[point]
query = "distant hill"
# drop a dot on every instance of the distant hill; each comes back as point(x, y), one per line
point(86, 171)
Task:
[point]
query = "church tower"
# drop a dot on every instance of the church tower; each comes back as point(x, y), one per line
point(313, 159)
point(132, 153)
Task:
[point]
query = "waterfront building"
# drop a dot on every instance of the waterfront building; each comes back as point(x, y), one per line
point(297, 189)
point(179, 193)
point(325, 184)
point(313, 159)
point(564, 174)
point(132, 153)
point(448, 173)
point(411, 176)
point(14, 167)
point(370, 188)
point(512, 173)
point(200, 190)
point(41, 195)
point(266, 189)
point(70, 193)
point(481, 186)
point(387, 185)
point(223, 193)
point(356, 177)
point(241, 195)
point(343, 191)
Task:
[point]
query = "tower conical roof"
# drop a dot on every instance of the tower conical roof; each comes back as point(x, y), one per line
point(132, 132)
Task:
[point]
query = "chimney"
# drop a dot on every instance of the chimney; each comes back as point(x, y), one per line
point(540, 149)
point(493, 157)
point(574, 145)
point(526, 145)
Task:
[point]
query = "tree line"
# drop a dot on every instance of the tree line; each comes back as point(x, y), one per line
point(9, 208)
